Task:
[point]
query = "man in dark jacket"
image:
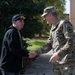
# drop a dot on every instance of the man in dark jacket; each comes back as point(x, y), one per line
point(12, 48)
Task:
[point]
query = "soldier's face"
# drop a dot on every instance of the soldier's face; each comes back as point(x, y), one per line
point(48, 18)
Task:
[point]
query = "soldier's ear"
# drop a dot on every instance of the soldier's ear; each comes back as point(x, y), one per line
point(50, 15)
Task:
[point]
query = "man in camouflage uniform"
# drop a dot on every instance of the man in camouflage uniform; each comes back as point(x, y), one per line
point(61, 41)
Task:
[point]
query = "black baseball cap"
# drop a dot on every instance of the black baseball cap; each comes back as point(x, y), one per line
point(18, 17)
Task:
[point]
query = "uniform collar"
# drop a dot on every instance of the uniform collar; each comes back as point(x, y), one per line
point(54, 26)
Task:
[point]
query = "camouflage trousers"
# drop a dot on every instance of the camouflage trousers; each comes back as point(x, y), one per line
point(68, 69)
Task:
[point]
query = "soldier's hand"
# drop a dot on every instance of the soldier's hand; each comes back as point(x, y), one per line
point(54, 57)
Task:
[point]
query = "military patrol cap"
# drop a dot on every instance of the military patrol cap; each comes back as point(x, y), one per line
point(49, 9)
point(18, 17)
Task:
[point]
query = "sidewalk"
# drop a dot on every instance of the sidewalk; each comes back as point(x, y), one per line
point(41, 66)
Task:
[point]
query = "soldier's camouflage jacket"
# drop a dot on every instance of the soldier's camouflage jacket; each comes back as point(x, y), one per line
point(61, 39)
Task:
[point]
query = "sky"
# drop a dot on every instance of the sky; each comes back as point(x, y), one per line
point(67, 7)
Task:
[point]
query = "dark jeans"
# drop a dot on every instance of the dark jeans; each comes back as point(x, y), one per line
point(9, 73)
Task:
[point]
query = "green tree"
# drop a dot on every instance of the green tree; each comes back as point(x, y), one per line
point(32, 9)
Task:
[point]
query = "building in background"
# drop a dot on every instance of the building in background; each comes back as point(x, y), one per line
point(72, 12)
point(66, 16)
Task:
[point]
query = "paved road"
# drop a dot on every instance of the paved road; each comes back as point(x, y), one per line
point(40, 66)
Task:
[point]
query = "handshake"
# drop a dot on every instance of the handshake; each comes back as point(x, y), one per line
point(32, 54)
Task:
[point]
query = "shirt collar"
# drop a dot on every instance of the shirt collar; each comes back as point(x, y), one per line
point(54, 26)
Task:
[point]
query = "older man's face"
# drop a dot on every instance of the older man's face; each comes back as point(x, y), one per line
point(19, 24)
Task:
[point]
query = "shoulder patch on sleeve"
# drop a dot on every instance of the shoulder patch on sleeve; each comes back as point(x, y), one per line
point(69, 30)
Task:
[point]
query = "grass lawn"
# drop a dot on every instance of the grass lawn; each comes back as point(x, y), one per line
point(36, 43)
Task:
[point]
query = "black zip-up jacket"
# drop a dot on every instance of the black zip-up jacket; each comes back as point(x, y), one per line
point(11, 52)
